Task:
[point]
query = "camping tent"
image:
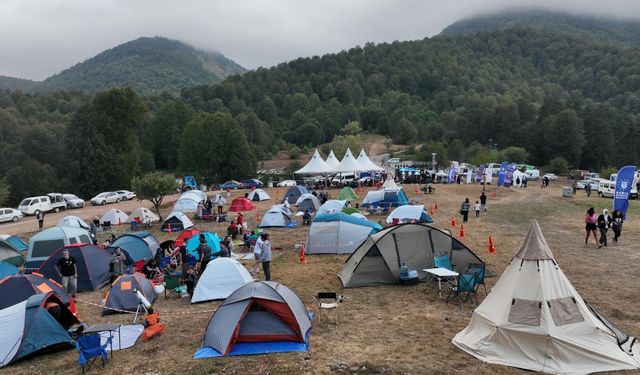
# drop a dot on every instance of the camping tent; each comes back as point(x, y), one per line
point(27, 328)
point(210, 238)
point(175, 222)
point(17, 288)
point(534, 319)
point(409, 213)
point(348, 164)
point(92, 263)
point(347, 194)
point(186, 236)
point(73, 221)
point(275, 217)
point(50, 240)
point(378, 259)
point(331, 206)
point(10, 255)
point(194, 195)
point(338, 233)
point(185, 205)
point(259, 317)
point(241, 204)
point(114, 216)
point(144, 215)
point(364, 160)
point(221, 278)
point(14, 241)
point(385, 198)
point(136, 246)
point(315, 165)
point(7, 269)
point(294, 193)
point(122, 296)
point(390, 184)
point(308, 202)
point(258, 195)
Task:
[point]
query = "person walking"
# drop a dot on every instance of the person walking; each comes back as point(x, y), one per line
point(40, 217)
point(68, 270)
point(265, 256)
point(617, 218)
point(604, 222)
point(117, 264)
point(587, 189)
point(464, 210)
point(590, 220)
point(478, 207)
point(257, 249)
point(483, 202)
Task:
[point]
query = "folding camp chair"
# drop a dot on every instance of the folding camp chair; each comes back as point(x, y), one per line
point(464, 290)
point(172, 285)
point(89, 350)
point(442, 261)
point(327, 301)
point(479, 270)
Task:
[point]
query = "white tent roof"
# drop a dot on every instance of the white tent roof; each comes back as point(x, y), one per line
point(145, 215)
point(389, 184)
point(364, 160)
point(72, 221)
point(406, 212)
point(114, 216)
point(315, 166)
point(262, 195)
point(349, 163)
point(196, 195)
point(12, 320)
point(277, 216)
point(534, 319)
point(221, 278)
point(186, 222)
point(332, 161)
point(331, 206)
point(308, 196)
point(185, 205)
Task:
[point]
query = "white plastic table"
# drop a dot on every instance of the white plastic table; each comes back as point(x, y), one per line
point(440, 273)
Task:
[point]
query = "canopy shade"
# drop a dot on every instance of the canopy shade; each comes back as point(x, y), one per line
point(315, 166)
point(349, 164)
point(332, 161)
point(364, 160)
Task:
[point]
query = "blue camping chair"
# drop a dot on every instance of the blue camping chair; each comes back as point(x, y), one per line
point(442, 261)
point(479, 270)
point(465, 289)
point(89, 350)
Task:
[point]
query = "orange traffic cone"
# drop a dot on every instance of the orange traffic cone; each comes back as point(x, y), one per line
point(258, 218)
point(494, 194)
point(461, 234)
point(436, 205)
point(72, 308)
point(416, 191)
point(432, 211)
point(453, 222)
point(303, 260)
point(492, 249)
point(119, 222)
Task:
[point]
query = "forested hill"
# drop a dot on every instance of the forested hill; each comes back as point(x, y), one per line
point(147, 65)
point(10, 83)
point(611, 31)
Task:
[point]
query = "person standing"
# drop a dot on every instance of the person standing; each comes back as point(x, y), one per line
point(483, 202)
point(265, 256)
point(40, 217)
point(464, 210)
point(587, 189)
point(67, 269)
point(204, 253)
point(220, 201)
point(617, 218)
point(477, 207)
point(257, 250)
point(590, 220)
point(117, 264)
point(604, 222)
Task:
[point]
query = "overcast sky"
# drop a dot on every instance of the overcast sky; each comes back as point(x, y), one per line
point(39, 38)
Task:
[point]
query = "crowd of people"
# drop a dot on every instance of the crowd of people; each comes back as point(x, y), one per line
point(602, 223)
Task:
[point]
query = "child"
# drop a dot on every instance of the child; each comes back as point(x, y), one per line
point(477, 208)
point(190, 280)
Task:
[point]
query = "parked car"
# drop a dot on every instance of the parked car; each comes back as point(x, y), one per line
point(9, 214)
point(106, 197)
point(343, 179)
point(43, 203)
point(594, 184)
point(287, 183)
point(73, 201)
point(231, 185)
point(57, 202)
point(550, 176)
point(126, 195)
point(606, 188)
point(252, 183)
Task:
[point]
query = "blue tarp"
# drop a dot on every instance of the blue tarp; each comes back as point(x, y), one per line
point(341, 216)
point(7, 269)
point(16, 243)
point(212, 240)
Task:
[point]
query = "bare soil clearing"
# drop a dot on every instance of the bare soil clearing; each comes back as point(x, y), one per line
point(390, 329)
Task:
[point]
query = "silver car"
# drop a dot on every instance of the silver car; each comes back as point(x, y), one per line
point(126, 195)
point(9, 214)
point(106, 197)
point(73, 201)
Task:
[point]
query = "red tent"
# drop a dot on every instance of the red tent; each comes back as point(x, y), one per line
point(241, 204)
point(186, 235)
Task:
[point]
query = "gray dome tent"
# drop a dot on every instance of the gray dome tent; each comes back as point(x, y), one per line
point(378, 259)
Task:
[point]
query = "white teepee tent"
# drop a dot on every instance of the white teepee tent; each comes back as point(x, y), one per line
point(364, 160)
point(349, 164)
point(332, 161)
point(534, 319)
point(315, 165)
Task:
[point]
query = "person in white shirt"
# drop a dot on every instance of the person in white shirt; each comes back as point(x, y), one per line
point(220, 201)
point(478, 206)
point(257, 251)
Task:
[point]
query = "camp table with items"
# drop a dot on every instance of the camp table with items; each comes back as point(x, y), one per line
point(105, 327)
point(441, 273)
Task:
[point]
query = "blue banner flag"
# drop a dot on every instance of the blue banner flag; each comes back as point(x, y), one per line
point(452, 175)
point(479, 173)
point(624, 183)
point(508, 179)
point(502, 173)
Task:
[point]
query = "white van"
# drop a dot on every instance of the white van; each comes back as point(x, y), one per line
point(44, 203)
point(343, 179)
point(532, 174)
point(606, 188)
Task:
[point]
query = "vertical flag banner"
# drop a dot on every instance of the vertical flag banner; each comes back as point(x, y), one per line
point(479, 173)
point(624, 183)
point(508, 179)
point(502, 173)
point(452, 175)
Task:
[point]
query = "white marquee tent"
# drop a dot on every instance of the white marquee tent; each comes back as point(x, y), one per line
point(349, 164)
point(315, 166)
point(332, 161)
point(364, 160)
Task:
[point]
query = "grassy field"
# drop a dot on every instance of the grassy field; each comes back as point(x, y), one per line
point(390, 329)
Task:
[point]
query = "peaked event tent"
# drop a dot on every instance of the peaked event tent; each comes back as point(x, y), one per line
point(331, 206)
point(338, 233)
point(347, 194)
point(534, 319)
point(258, 195)
point(275, 217)
point(51, 240)
point(364, 160)
point(17, 288)
point(27, 328)
point(72, 221)
point(144, 214)
point(378, 259)
point(308, 202)
point(114, 216)
point(121, 295)
point(222, 277)
point(92, 262)
point(349, 164)
point(258, 314)
point(176, 222)
point(241, 204)
point(315, 165)
point(332, 161)
point(409, 213)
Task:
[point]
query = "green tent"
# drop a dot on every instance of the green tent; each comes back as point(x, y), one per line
point(349, 210)
point(347, 194)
